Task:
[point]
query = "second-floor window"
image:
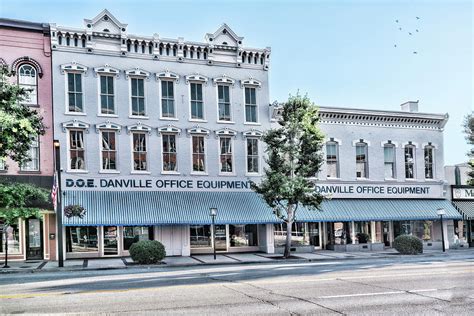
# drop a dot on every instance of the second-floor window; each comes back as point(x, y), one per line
point(27, 80)
point(167, 99)
point(361, 161)
point(76, 150)
point(389, 161)
point(138, 96)
point(197, 105)
point(33, 154)
point(332, 160)
point(225, 155)
point(169, 152)
point(429, 162)
point(74, 88)
point(224, 102)
point(109, 151)
point(139, 152)
point(250, 105)
point(199, 159)
point(107, 95)
point(409, 161)
point(252, 155)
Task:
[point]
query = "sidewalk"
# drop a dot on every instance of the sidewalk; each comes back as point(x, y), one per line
point(228, 258)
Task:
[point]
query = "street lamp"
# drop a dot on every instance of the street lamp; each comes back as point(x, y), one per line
point(59, 213)
point(213, 214)
point(441, 212)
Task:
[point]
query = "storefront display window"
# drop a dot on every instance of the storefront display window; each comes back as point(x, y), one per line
point(303, 234)
point(243, 235)
point(12, 234)
point(339, 233)
point(420, 229)
point(362, 232)
point(133, 234)
point(200, 236)
point(81, 239)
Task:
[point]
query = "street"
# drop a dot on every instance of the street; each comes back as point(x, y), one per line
point(426, 286)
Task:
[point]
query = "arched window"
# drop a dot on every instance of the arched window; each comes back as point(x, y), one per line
point(28, 80)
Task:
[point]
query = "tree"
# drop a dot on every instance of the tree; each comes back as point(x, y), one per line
point(294, 159)
point(19, 123)
point(19, 200)
point(469, 131)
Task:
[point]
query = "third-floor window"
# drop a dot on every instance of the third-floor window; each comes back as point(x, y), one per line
point(224, 102)
point(409, 161)
point(27, 79)
point(429, 162)
point(197, 104)
point(361, 161)
point(250, 105)
point(332, 160)
point(74, 88)
point(138, 96)
point(389, 161)
point(167, 99)
point(107, 95)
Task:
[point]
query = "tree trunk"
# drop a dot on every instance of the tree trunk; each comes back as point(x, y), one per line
point(289, 227)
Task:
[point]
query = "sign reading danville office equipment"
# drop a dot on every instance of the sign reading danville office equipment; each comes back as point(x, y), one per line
point(463, 193)
point(334, 190)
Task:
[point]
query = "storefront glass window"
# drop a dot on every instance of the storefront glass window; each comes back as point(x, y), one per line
point(422, 229)
point(243, 235)
point(339, 233)
point(303, 234)
point(12, 234)
point(401, 228)
point(81, 239)
point(200, 236)
point(133, 234)
point(362, 232)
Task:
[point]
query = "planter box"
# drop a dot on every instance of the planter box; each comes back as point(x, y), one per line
point(299, 249)
point(357, 247)
point(432, 245)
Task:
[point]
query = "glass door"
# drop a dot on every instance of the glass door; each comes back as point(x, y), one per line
point(221, 237)
point(34, 239)
point(386, 233)
point(314, 234)
point(110, 240)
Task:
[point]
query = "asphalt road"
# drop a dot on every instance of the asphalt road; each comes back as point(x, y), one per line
point(416, 287)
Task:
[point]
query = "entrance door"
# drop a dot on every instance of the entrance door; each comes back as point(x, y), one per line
point(34, 239)
point(221, 237)
point(386, 234)
point(314, 234)
point(110, 241)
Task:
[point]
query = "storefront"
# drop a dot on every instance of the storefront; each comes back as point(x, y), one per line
point(463, 200)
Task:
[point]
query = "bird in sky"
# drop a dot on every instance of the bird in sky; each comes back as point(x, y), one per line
point(415, 53)
point(409, 33)
point(400, 28)
point(395, 45)
point(416, 30)
point(396, 21)
point(417, 17)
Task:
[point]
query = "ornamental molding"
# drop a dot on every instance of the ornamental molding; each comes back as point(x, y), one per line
point(225, 132)
point(196, 77)
point(429, 144)
point(169, 129)
point(223, 80)
point(334, 140)
point(251, 82)
point(410, 143)
point(252, 133)
point(139, 127)
point(25, 60)
point(360, 141)
point(108, 125)
point(137, 72)
point(106, 69)
point(75, 124)
point(73, 66)
point(167, 75)
point(389, 142)
point(197, 130)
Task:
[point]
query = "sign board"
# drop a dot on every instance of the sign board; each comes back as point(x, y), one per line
point(462, 192)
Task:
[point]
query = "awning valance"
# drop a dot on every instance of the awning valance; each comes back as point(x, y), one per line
point(125, 208)
point(466, 208)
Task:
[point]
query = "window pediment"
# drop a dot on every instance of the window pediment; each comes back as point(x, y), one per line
point(139, 127)
point(197, 130)
point(225, 132)
point(75, 124)
point(252, 133)
point(167, 75)
point(251, 82)
point(73, 67)
point(108, 70)
point(137, 72)
point(25, 60)
point(196, 77)
point(223, 80)
point(169, 129)
point(108, 125)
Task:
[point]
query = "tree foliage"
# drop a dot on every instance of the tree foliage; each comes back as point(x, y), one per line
point(469, 131)
point(294, 159)
point(19, 123)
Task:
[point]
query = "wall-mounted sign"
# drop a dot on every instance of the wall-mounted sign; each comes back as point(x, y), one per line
point(463, 193)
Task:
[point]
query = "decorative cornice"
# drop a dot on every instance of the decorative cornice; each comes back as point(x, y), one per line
point(75, 124)
point(252, 133)
point(73, 66)
point(106, 69)
point(137, 72)
point(223, 80)
point(169, 129)
point(225, 132)
point(139, 127)
point(196, 77)
point(167, 75)
point(251, 82)
point(108, 125)
point(197, 130)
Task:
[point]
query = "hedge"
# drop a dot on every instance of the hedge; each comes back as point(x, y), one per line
point(408, 245)
point(147, 251)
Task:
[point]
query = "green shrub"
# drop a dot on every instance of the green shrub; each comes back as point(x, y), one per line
point(363, 238)
point(147, 251)
point(408, 245)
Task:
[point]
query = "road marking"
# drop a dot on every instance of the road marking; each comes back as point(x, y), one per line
point(376, 293)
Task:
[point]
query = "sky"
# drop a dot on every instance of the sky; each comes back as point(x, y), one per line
point(341, 53)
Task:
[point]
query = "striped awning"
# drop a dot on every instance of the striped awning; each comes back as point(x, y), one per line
point(466, 208)
point(125, 208)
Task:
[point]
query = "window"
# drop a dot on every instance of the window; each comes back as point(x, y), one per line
point(243, 235)
point(332, 160)
point(2, 163)
point(302, 234)
point(109, 151)
point(389, 161)
point(167, 99)
point(33, 154)
point(252, 155)
point(409, 161)
point(107, 95)
point(200, 236)
point(12, 236)
point(250, 105)
point(169, 152)
point(224, 102)
point(139, 152)
point(225, 155)
point(197, 111)
point(27, 80)
point(361, 160)
point(74, 85)
point(198, 154)
point(81, 239)
point(76, 150)
point(429, 162)
point(132, 234)
point(138, 96)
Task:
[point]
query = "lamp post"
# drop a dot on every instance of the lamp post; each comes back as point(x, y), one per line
point(213, 214)
point(441, 212)
point(59, 213)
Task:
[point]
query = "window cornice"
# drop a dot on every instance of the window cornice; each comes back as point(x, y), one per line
point(170, 129)
point(108, 125)
point(137, 72)
point(223, 80)
point(197, 130)
point(75, 124)
point(107, 70)
point(167, 75)
point(196, 77)
point(250, 82)
point(252, 133)
point(73, 66)
point(139, 127)
point(225, 132)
